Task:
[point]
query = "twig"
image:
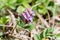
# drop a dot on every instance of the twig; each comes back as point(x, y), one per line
point(42, 20)
point(20, 36)
point(48, 17)
point(56, 18)
point(12, 18)
point(13, 21)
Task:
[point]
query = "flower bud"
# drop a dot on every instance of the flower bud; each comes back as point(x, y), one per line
point(30, 12)
point(27, 16)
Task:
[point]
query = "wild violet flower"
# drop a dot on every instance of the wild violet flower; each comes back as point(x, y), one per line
point(30, 12)
point(27, 16)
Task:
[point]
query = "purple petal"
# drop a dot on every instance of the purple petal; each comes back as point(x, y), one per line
point(24, 16)
point(27, 14)
point(30, 19)
point(30, 12)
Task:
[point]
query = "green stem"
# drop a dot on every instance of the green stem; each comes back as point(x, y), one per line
point(54, 10)
point(35, 6)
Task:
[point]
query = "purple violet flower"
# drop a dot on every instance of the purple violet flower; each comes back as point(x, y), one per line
point(30, 19)
point(30, 12)
point(27, 16)
point(24, 16)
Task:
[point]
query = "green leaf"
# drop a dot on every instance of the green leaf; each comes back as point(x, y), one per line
point(50, 8)
point(20, 23)
point(51, 3)
point(1, 33)
point(12, 6)
point(36, 37)
point(20, 9)
point(27, 1)
point(41, 36)
point(11, 1)
point(20, 1)
point(0, 39)
point(57, 35)
point(51, 29)
point(45, 32)
point(26, 5)
point(2, 3)
point(39, 1)
point(3, 20)
point(1, 6)
point(23, 1)
point(1, 27)
point(29, 26)
point(42, 11)
point(57, 8)
point(46, 2)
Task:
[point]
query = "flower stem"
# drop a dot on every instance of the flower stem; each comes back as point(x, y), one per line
point(35, 5)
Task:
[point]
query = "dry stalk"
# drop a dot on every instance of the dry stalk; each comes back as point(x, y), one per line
point(42, 20)
point(12, 18)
